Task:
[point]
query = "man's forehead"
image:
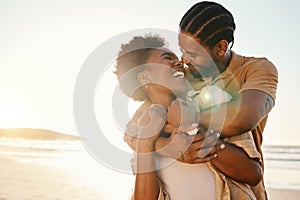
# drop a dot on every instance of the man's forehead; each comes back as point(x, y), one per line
point(189, 43)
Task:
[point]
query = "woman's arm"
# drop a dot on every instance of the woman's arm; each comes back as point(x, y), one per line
point(146, 181)
point(149, 126)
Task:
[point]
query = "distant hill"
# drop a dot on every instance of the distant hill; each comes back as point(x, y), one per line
point(35, 134)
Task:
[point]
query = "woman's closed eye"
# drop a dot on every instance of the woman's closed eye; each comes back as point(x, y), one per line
point(169, 58)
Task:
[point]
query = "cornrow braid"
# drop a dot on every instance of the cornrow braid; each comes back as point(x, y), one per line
point(208, 22)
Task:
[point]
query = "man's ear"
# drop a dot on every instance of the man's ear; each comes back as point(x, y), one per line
point(222, 47)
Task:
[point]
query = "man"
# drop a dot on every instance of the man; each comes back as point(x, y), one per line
point(206, 32)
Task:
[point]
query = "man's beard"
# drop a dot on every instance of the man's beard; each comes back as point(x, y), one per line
point(200, 72)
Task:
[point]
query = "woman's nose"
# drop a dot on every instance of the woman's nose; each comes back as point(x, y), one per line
point(179, 64)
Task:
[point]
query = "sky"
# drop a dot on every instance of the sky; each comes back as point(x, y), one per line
point(44, 44)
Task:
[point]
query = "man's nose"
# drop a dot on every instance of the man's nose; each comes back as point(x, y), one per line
point(185, 59)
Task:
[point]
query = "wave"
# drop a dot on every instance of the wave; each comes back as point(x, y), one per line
point(286, 157)
point(282, 157)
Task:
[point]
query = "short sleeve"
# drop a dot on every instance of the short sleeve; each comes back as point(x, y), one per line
point(246, 142)
point(261, 75)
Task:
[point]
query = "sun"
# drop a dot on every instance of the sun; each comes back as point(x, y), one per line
point(9, 116)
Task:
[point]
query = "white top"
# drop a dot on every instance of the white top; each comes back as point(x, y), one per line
point(186, 181)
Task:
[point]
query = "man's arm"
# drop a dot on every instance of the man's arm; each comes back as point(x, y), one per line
point(236, 164)
point(229, 159)
point(240, 115)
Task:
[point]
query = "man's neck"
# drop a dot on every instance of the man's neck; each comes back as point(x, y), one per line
point(222, 64)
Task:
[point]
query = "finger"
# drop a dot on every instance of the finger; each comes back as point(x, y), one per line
point(173, 113)
point(220, 145)
point(206, 159)
point(212, 132)
point(127, 138)
point(168, 128)
point(210, 141)
point(174, 103)
point(157, 110)
point(152, 121)
point(209, 138)
point(190, 128)
point(209, 145)
point(131, 129)
point(208, 148)
point(204, 152)
point(199, 137)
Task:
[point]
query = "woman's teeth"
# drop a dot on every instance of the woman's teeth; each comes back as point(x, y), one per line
point(178, 74)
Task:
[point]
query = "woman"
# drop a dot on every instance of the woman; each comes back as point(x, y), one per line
point(151, 73)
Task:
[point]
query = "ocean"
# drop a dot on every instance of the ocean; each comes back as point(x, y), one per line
point(282, 164)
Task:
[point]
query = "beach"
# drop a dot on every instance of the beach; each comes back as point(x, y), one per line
point(33, 181)
point(63, 170)
point(20, 181)
point(56, 170)
point(283, 194)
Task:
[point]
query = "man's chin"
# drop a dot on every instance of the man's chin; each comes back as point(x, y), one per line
point(200, 73)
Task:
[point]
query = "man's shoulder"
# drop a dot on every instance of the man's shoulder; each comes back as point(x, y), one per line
point(248, 64)
point(249, 61)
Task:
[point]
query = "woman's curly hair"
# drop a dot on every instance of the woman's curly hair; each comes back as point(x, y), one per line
point(130, 61)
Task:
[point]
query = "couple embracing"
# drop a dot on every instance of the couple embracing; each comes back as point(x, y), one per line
point(198, 133)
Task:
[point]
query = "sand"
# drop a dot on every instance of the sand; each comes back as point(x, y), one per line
point(22, 181)
point(31, 181)
point(283, 194)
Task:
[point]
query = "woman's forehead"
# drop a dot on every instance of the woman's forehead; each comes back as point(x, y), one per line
point(163, 51)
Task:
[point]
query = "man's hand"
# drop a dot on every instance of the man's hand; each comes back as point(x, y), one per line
point(204, 148)
point(199, 148)
point(181, 112)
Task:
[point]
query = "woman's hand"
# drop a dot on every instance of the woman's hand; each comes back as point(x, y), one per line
point(148, 126)
point(151, 123)
point(182, 112)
